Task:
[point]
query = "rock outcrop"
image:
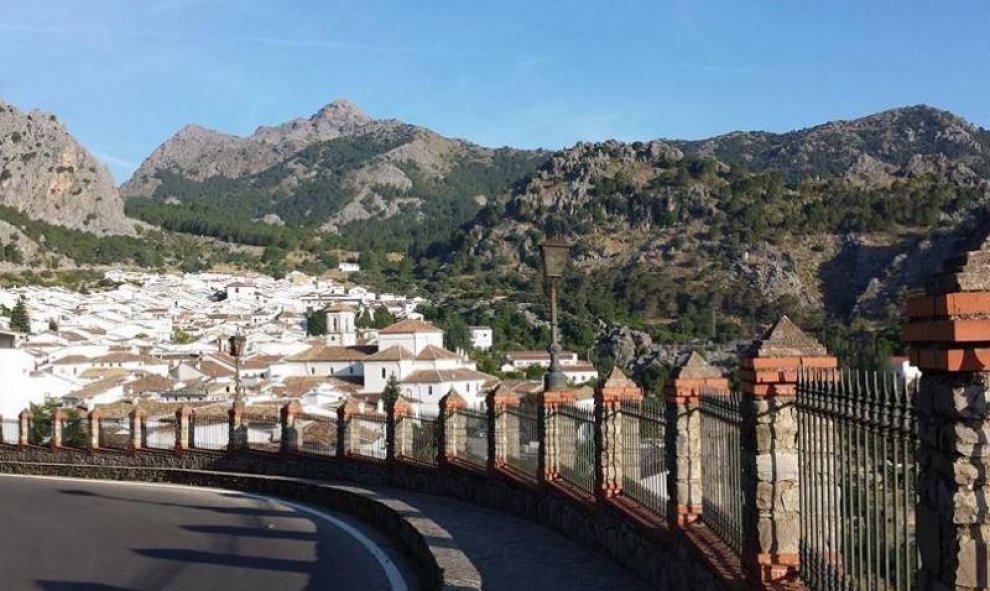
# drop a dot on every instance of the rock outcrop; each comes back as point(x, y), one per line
point(46, 174)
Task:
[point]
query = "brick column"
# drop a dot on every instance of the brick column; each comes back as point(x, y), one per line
point(58, 420)
point(548, 431)
point(182, 427)
point(768, 377)
point(504, 434)
point(138, 430)
point(94, 429)
point(453, 426)
point(342, 430)
point(24, 421)
point(949, 334)
point(398, 432)
point(237, 430)
point(291, 435)
point(683, 438)
point(610, 453)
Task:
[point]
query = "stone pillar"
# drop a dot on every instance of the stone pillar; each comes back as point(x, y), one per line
point(349, 439)
point(94, 429)
point(182, 416)
point(949, 334)
point(683, 438)
point(504, 432)
point(610, 453)
point(768, 377)
point(548, 431)
point(58, 421)
point(291, 435)
point(453, 426)
point(237, 430)
point(398, 431)
point(24, 421)
point(138, 431)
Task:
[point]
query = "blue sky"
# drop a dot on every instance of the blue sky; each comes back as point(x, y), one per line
point(124, 75)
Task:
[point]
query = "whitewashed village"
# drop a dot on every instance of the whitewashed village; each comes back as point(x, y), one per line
point(159, 342)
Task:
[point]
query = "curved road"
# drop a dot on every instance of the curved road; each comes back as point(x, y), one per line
point(75, 535)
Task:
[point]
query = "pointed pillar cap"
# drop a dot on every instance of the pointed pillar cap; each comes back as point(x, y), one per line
point(696, 367)
point(786, 339)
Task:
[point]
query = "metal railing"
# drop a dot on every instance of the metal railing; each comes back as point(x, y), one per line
point(423, 437)
point(160, 432)
point(523, 453)
point(318, 434)
point(475, 449)
point(115, 432)
point(75, 430)
point(576, 434)
point(642, 431)
point(721, 474)
point(209, 431)
point(366, 435)
point(264, 428)
point(858, 480)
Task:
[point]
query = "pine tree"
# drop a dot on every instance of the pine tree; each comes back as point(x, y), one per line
point(392, 391)
point(20, 321)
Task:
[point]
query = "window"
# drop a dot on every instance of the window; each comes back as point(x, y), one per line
point(383, 373)
point(431, 390)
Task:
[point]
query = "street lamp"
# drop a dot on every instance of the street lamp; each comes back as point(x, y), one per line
point(237, 343)
point(555, 256)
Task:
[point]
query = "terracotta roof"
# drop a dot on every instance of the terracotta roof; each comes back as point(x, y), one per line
point(104, 372)
point(72, 360)
point(122, 357)
point(409, 327)
point(393, 353)
point(432, 352)
point(534, 355)
point(437, 376)
point(214, 369)
point(260, 361)
point(150, 383)
point(96, 388)
point(333, 353)
point(297, 386)
point(339, 308)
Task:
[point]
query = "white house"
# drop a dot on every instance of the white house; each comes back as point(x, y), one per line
point(348, 267)
point(481, 337)
point(240, 291)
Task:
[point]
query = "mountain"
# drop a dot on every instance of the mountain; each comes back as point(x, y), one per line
point(704, 239)
point(46, 174)
point(328, 171)
point(898, 142)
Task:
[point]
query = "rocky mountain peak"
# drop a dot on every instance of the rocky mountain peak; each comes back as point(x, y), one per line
point(47, 174)
point(342, 112)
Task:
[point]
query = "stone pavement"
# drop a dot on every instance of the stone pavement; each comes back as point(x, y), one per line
point(516, 555)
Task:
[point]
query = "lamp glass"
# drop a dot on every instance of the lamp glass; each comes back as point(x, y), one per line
point(237, 345)
point(555, 253)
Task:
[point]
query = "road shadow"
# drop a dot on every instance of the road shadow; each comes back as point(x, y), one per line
point(254, 532)
point(77, 586)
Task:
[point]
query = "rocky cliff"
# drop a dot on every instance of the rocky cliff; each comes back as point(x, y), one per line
point(45, 173)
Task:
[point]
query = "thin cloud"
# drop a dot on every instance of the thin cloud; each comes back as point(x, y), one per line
point(251, 39)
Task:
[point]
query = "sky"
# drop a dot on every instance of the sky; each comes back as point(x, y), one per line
point(125, 75)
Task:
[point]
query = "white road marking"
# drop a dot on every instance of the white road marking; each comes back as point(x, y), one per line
point(395, 579)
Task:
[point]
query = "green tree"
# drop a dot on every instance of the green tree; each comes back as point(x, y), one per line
point(20, 320)
point(392, 390)
point(316, 323)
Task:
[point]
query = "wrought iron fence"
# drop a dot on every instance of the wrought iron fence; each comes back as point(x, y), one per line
point(721, 473)
point(10, 430)
point(209, 431)
point(264, 428)
point(366, 435)
point(858, 480)
point(524, 449)
point(642, 429)
point(421, 435)
point(75, 430)
point(115, 432)
point(318, 434)
point(475, 449)
point(159, 432)
point(576, 437)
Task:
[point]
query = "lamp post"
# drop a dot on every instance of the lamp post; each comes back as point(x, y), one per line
point(237, 343)
point(555, 256)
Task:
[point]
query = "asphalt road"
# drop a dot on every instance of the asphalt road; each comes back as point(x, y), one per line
point(62, 535)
